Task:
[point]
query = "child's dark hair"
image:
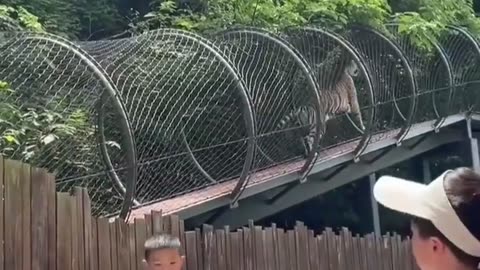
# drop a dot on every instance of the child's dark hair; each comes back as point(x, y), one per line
point(160, 241)
point(462, 187)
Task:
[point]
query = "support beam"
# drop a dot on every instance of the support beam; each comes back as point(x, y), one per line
point(375, 215)
point(374, 148)
point(473, 147)
point(256, 207)
point(426, 172)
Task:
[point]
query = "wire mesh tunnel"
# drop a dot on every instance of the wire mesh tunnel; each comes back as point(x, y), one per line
point(168, 112)
point(49, 117)
point(189, 111)
point(433, 76)
point(394, 85)
point(289, 118)
point(346, 91)
point(463, 52)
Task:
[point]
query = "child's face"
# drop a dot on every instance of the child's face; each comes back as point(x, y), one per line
point(164, 259)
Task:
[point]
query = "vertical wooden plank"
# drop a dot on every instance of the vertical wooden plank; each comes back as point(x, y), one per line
point(140, 238)
point(175, 226)
point(200, 247)
point(39, 219)
point(113, 245)
point(228, 248)
point(13, 216)
point(80, 226)
point(248, 250)
point(2, 215)
point(181, 225)
point(283, 250)
point(51, 196)
point(220, 254)
point(122, 245)
point(25, 183)
point(94, 259)
point(132, 247)
point(322, 252)
point(208, 239)
point(363, 254)
point(87, 228)
point(355, 253)
point(148, 226)
point(157, 222)
point(313, 253)
point(234, 251)
point(241, 250)
point(64, 232)
point(292, 250)
point(104, 249)
point(275, 244)
point(331, 249)
point(191, 250)
point(166, 225)
point(269, 249)
point(258, 246)
point(301, 246)
point(75, 234)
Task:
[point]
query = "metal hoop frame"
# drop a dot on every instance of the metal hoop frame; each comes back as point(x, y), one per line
point(305, 68)
point(248, 112)
point(411, 80)
point(448, 67)
point(113, 93)
point(363, 143)
point(468, 36)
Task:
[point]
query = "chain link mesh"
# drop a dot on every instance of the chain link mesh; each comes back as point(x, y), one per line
point(177, 113)
point(185, 107)
point(283, 93)
point(329, 57)
point(49, 115)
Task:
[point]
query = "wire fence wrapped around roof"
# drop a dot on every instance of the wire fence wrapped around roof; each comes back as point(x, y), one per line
point(145, 119)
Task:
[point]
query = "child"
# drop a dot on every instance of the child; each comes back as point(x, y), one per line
point(162, 252)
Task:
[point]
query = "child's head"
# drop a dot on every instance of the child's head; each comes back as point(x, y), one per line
point(162, 252)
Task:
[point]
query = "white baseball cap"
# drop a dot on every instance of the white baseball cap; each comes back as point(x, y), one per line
point(429, 202)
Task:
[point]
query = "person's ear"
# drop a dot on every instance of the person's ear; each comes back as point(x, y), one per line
point(437, 245)
point(145, 264)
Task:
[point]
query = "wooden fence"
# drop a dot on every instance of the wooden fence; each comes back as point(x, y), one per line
point(44, 230)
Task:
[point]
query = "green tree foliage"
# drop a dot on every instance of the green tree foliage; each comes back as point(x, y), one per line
point(422, 20)
point(18, 18)
point(76, 19)
point(41, 135)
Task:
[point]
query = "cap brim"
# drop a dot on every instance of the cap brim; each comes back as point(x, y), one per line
point(402, 195)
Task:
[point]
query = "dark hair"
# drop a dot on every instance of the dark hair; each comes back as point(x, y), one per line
point(462, 187)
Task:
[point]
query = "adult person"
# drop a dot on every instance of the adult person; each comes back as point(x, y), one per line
point(162, 252)
point(445, 217)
